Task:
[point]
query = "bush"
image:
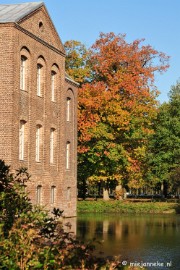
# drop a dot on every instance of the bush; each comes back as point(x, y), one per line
point(32, 239)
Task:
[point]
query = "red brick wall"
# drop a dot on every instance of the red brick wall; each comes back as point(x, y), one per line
point(6, 89)
point(17, 104)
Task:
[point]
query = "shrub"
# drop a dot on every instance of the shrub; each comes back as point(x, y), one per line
point(32, 239)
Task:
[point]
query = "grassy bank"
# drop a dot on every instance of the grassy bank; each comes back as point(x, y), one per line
point(128, 207)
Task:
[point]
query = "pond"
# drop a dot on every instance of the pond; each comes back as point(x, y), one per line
point(149, 240)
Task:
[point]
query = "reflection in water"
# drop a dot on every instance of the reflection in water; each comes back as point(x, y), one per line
point(136, 238)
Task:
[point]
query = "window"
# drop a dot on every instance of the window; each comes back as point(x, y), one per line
point(68, 155)
point(68, 194)
point(24, 65)
point(39, 80)
point(69, 105)
point(39, 194)
point(53, 188)
point(38, 141)
point(52, 131)
point(23, 68)
point(54, 81)
point(53, 85)
point(41, 26)
point(68, 109)
point(21, 139)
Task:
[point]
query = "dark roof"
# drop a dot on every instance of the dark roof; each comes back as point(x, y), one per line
point(15, 12)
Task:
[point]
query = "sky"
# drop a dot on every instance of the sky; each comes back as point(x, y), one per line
point(157, 21)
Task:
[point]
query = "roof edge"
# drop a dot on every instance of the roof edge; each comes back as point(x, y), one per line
point(39, 5)
point(69, 79)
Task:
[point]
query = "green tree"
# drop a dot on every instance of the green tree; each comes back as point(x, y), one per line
point(164, 146)
point(13, 198)
point(77, 61)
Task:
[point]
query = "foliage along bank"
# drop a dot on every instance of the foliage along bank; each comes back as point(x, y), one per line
point(32, 239)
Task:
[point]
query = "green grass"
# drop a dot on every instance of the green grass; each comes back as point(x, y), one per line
point(128, 207)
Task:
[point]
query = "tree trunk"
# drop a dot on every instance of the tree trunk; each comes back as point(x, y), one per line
point(119, 192)
point(105, 192)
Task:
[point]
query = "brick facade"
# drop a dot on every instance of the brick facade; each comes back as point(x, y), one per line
point(38, 130)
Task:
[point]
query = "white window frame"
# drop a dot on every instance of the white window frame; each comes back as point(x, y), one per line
point(38, 141)
point(39, 79)
point(68, 109)
point(23, 67)
point(68, 146)
point(21, 140)
point(53, 85)
point(53, 190)
point(52, 133)
point(68, 193)
point(39, 194)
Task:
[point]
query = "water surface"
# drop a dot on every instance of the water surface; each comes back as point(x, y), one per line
point(146, 239)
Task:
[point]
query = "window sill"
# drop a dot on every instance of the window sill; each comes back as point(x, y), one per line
point(24, 90)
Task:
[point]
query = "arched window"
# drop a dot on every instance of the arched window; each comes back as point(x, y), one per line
point(38, 141)
point(69, 105)
point(68, 144)
point(41, 26)
point(22, 139)
point(68, 109)
point(52, 145)
point(53, 85)
point(53, 189)
point(39, 194)
point(68, 193)
point(39, 79)
point(54, 82)
point(24, 72)
point(40, 76)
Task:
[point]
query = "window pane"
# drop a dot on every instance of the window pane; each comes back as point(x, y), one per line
point(68, 155)
point(39, 195)
point(53, 85)
point(53, 194)
point(68, 194)
point(23, 73)
point(68, 108)
point(52, 145)
point(38, 137)
point(21, 140)
point(39, 78)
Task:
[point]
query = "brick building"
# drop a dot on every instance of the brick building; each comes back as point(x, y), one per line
point(38, 104)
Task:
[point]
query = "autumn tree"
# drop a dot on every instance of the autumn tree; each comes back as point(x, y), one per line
point(77, 61)
point(116, 109)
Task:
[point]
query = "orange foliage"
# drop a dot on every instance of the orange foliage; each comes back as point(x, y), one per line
point(119, 103)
